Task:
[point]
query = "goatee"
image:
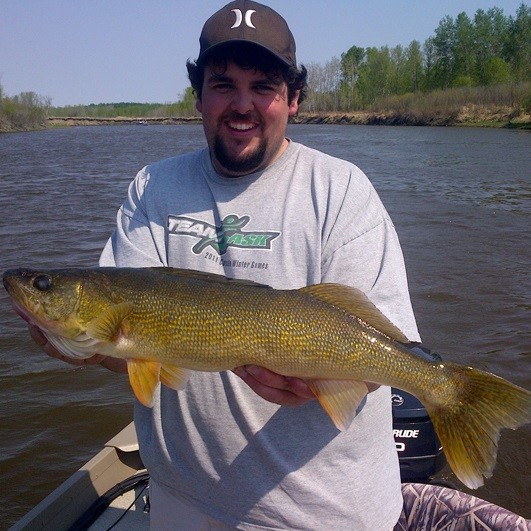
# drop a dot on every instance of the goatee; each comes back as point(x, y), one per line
point(244, 164)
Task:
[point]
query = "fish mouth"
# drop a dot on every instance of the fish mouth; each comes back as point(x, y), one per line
point(18, 297)
point(13, 283)
point(8, 282)
point(26, 314)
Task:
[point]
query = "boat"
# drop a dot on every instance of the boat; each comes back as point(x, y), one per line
point(112, 489)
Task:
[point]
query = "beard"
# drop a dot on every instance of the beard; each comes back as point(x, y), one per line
point(244, 164)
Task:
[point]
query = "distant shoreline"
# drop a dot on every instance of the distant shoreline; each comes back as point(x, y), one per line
point(58, 121)
point(471, 116)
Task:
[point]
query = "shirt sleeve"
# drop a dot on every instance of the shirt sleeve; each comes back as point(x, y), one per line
point(365, 252)
point(138, 239)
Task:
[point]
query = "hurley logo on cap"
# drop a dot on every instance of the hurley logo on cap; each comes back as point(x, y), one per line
point(248, 22)
point(239, 18)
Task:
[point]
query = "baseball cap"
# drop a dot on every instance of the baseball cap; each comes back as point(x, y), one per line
point(249, 22)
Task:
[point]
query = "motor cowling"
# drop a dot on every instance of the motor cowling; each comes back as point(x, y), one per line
point(420, 453)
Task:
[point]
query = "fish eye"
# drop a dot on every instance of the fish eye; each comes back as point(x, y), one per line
point(42, 282)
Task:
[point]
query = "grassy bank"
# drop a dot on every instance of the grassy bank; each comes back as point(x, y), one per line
point(465, 116)
point(505, 105)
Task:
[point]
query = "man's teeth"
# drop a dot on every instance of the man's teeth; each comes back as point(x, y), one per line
point(240, 126)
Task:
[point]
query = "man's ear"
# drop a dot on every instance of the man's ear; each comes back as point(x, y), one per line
point(198, 105)
point(294, 104)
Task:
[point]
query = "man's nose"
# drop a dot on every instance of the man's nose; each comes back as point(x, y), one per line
point(242, 101)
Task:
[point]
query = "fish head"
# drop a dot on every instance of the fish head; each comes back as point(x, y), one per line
point(49, 300)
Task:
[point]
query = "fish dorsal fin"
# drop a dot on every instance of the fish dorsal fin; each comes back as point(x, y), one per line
point(355, 302)
point(144, 377)
point(206, 277)
point(339, 398)
point(106, 327)
point(174, 377)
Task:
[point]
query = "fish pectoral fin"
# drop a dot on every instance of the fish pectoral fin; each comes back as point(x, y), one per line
point(174, 377)
point(144, 377)
point(107, 326)
point(339, 398)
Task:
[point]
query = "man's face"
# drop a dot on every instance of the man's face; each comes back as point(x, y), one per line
point(245, 116)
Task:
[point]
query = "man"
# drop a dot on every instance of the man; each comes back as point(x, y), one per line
point(227, 453)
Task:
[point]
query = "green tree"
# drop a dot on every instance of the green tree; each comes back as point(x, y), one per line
point(497, 71)
point(491, 34)
point(413, 69)
point(429, 64)
point(444, 46)
point(398, 81)
point(25, 111)
point(375, 75)
point(464, 53)
point(351, 62)
point(519, 44)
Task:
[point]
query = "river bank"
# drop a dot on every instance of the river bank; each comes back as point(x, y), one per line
point(67, 121)
point(466, 116)
point(469, 116)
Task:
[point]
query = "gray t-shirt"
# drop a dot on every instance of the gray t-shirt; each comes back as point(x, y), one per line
point(308, 218)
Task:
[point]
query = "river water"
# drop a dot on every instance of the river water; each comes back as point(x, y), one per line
point(459, 199)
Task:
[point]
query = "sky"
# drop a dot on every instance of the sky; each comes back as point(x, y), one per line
point(109, 51)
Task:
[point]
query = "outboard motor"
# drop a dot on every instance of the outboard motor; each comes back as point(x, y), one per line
point(420, 453)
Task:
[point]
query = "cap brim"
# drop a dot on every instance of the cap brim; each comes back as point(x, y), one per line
point(203, 57)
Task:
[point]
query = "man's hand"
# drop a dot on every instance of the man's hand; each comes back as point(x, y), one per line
point(113, 364)
point(282, 390)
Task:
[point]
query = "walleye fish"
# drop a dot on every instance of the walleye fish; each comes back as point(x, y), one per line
point(167, 322)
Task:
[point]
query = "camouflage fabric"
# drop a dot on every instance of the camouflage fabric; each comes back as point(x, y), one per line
point(435, 508)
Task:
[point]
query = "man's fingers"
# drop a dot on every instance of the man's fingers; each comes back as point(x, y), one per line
point(37, 336)
point(277, 381)
point(275, 388)
point(282, 390)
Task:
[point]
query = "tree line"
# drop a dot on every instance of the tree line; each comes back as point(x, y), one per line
point(27, 110)
point(184, 107)
point(488, 49)
point(464, 58)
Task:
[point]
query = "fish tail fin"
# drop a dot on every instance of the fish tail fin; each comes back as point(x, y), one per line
point(469, 424)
